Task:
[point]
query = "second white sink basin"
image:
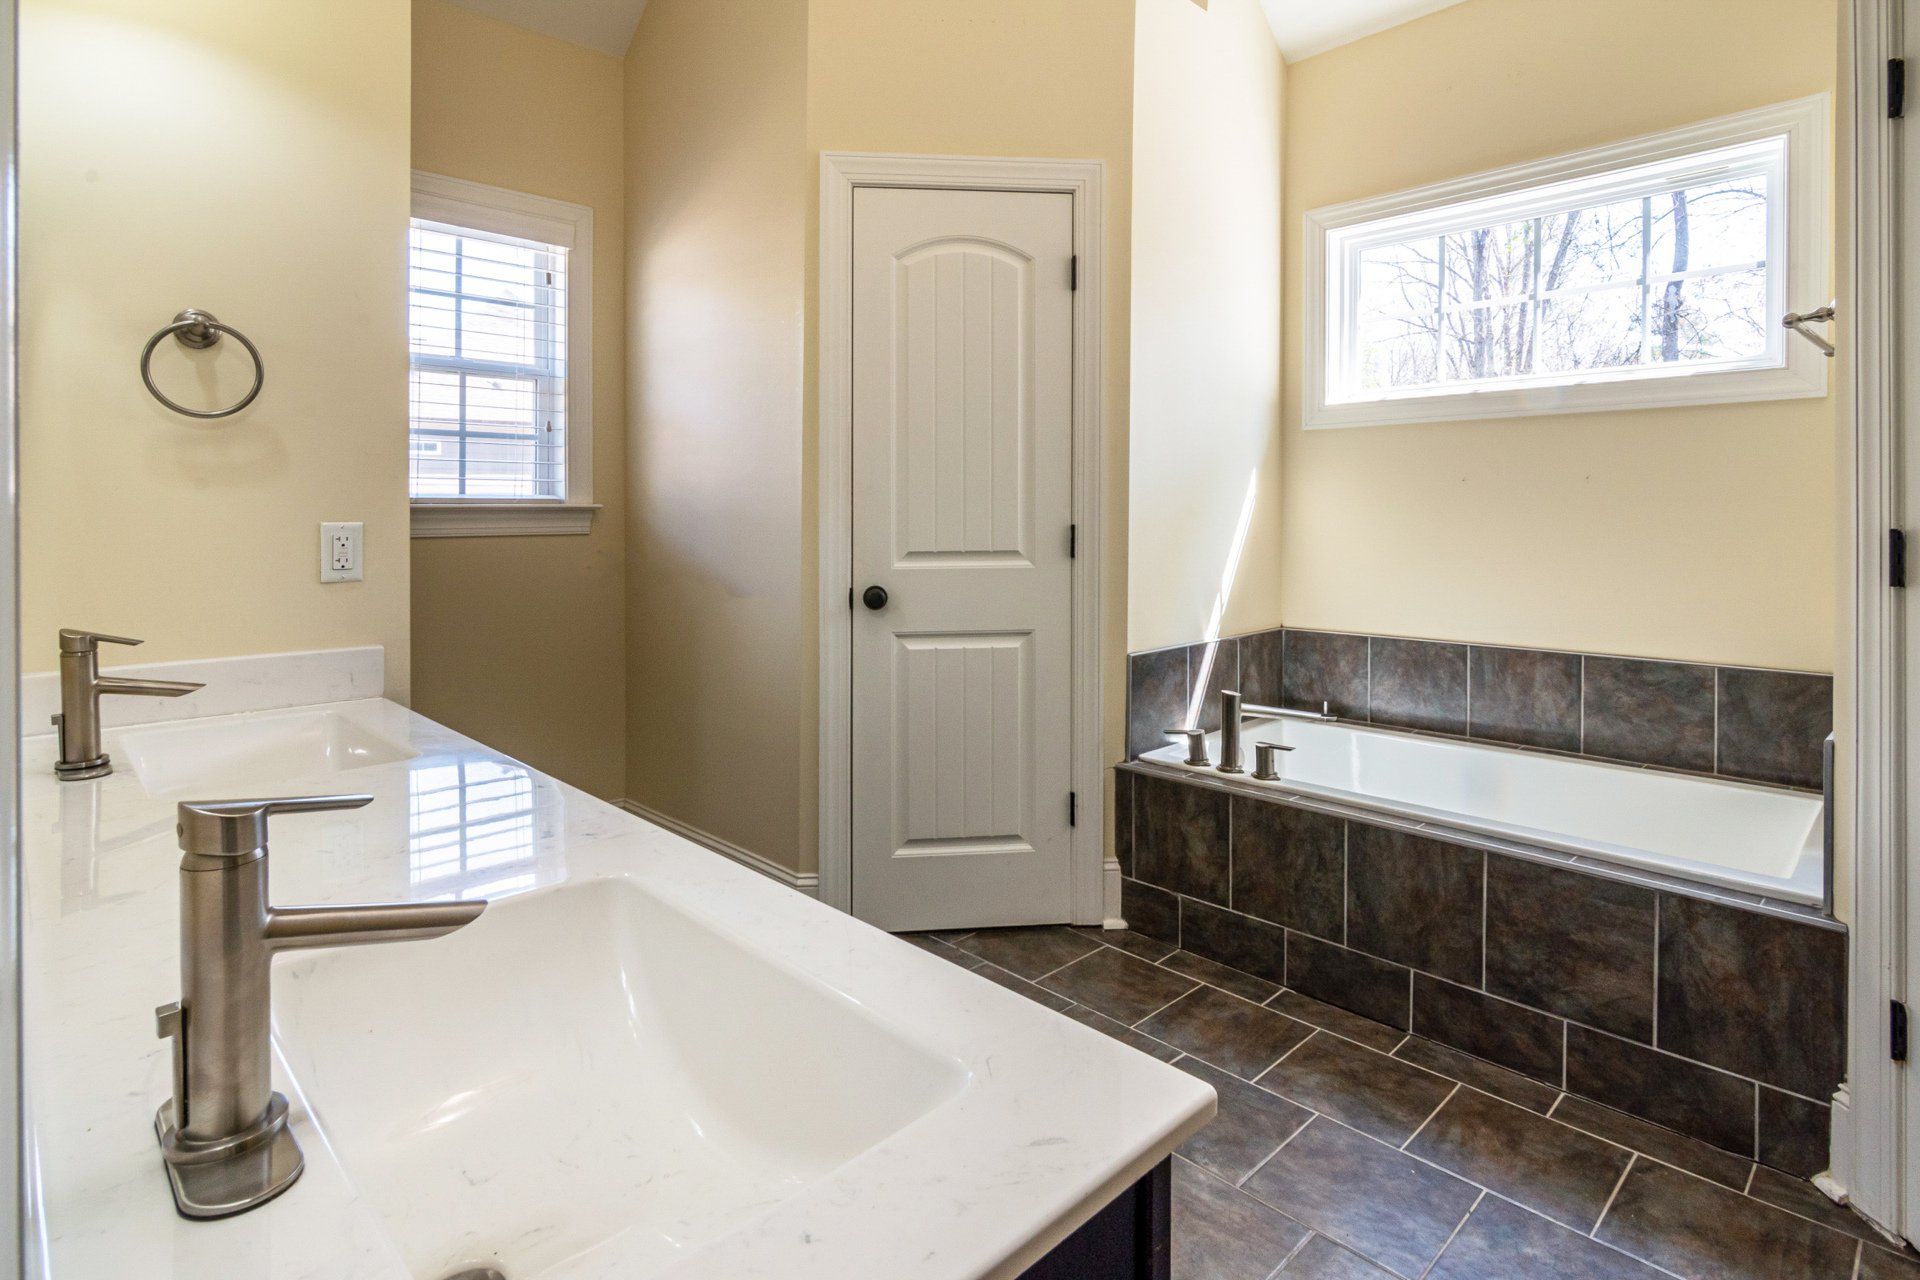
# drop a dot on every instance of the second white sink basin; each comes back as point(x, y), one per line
point(586, 1081)
point(251, 756)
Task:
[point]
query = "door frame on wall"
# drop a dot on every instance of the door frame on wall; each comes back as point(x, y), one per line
point(1873, 1128)
point(1096, 883)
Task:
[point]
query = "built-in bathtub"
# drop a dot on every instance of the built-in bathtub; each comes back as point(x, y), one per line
point(1759, 839)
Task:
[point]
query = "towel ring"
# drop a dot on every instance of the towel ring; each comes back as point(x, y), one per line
point(198, 330)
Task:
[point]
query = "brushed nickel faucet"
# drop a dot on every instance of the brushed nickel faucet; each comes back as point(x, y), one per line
point(81, 685)
point(224, 1134)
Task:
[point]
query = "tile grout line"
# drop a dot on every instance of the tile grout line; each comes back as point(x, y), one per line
point(1752, 1172)
point(1457, 1086)
point(1474, 1208)
point(1135, 1026)
point(1607, 1208)
point(1312, 1115)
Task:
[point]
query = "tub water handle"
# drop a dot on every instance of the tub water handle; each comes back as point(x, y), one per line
point(1196, 745)
point(1266, 765)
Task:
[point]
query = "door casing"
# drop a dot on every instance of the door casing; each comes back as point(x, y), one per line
point(1096, 880)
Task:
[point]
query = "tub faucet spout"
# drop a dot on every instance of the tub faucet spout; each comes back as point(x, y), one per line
point(1230, 732)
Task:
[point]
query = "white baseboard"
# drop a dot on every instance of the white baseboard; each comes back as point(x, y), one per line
point(1110, 890)
point(806, 882)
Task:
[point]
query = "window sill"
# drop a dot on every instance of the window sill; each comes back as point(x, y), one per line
point(501, 519)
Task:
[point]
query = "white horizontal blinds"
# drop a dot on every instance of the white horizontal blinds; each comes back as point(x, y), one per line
point(487, 332)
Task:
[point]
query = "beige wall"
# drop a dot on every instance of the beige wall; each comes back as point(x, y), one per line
point(1703, 533)
point(1205, 450)
point(250, 159)
point(718, 669)
point(520, 642)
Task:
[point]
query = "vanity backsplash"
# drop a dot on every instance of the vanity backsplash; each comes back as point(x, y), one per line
point(1749, 723)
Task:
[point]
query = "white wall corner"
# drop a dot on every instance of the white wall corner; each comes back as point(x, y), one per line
point(806, 882)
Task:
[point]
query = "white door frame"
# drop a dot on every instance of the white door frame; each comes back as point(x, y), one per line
point(1871, 1115)
point(841, 172)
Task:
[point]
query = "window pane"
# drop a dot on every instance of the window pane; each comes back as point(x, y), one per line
point(1587, 247)
point(1396, 341)
point(1488, 342)
point(1716, 317)
point(1489, 263)
point(1599, 329)
point(1722, 224)
point(496, 332)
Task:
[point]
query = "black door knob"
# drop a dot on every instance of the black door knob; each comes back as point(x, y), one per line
point(874, 597)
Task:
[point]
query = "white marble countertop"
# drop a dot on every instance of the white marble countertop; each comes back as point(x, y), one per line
point(1052, 1121)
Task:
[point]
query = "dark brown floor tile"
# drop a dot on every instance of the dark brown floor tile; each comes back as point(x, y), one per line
point(1328, 1017)
point(1180, 837)
point(1653, 1140)
point(1237, 941)
point(1321, 1259)
point(1880, 1264)
point(1215, 974)
point(1478, 1074)
point(1698, 1101)
point(1119, 985)
point(946, 951)
point(1502, 1241)
point(1773, 724)
point(1323, 668)
point(951, 936)
point(1649, 712)
point(1417, 684)
point(1378, 1095)
point(1797, 1195)
point(1149, 949)
point(1233, 1034)
point(1359, 983)
point(1561, 1172)
point(1260, 657)
point(1416, 901)
point(1125, 1035)
point(1020, 986)
point(1795, 1134)
point(1249, 1125)
point(1698, 1229)
point(1756, 994)
point(1380, 1202)
point(1031, 953)
point(1221, 1233)
point(1526, 696)
point(1150, 912)
point(1573, 944)
point(1290, 865)
point(1506, 1034)
point(1156, 698)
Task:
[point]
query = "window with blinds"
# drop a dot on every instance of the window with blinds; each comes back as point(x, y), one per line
point(487, 333)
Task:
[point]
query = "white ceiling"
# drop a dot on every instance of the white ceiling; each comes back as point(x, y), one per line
point(1306, 27)
point(1302, 27)
point(606, 25)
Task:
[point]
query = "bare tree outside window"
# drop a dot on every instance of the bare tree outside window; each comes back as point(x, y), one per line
point(1673, 277)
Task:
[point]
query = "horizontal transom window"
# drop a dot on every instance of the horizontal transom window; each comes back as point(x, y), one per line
point(1654, 272)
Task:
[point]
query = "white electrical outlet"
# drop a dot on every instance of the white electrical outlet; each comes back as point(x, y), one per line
point(340, 552)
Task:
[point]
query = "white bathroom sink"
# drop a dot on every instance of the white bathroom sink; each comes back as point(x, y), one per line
point(257, 755)
point(586, 1081)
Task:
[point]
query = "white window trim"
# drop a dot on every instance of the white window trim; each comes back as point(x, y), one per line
point(558, 222)
point(1806, 283)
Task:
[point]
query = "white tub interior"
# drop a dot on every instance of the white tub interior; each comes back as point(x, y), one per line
point(1764, 840)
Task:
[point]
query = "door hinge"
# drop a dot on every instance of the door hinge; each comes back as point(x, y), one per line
point(1896, 557)
point(1073, 541)
point(1896, 88)
point(1897, 1031)
point(1073, 272)
point(1073, 809)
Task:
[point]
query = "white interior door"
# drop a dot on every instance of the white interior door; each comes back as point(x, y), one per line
point(962, 507)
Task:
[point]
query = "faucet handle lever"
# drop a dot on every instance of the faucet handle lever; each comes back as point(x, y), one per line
point(73, 640)
point(236, 828)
